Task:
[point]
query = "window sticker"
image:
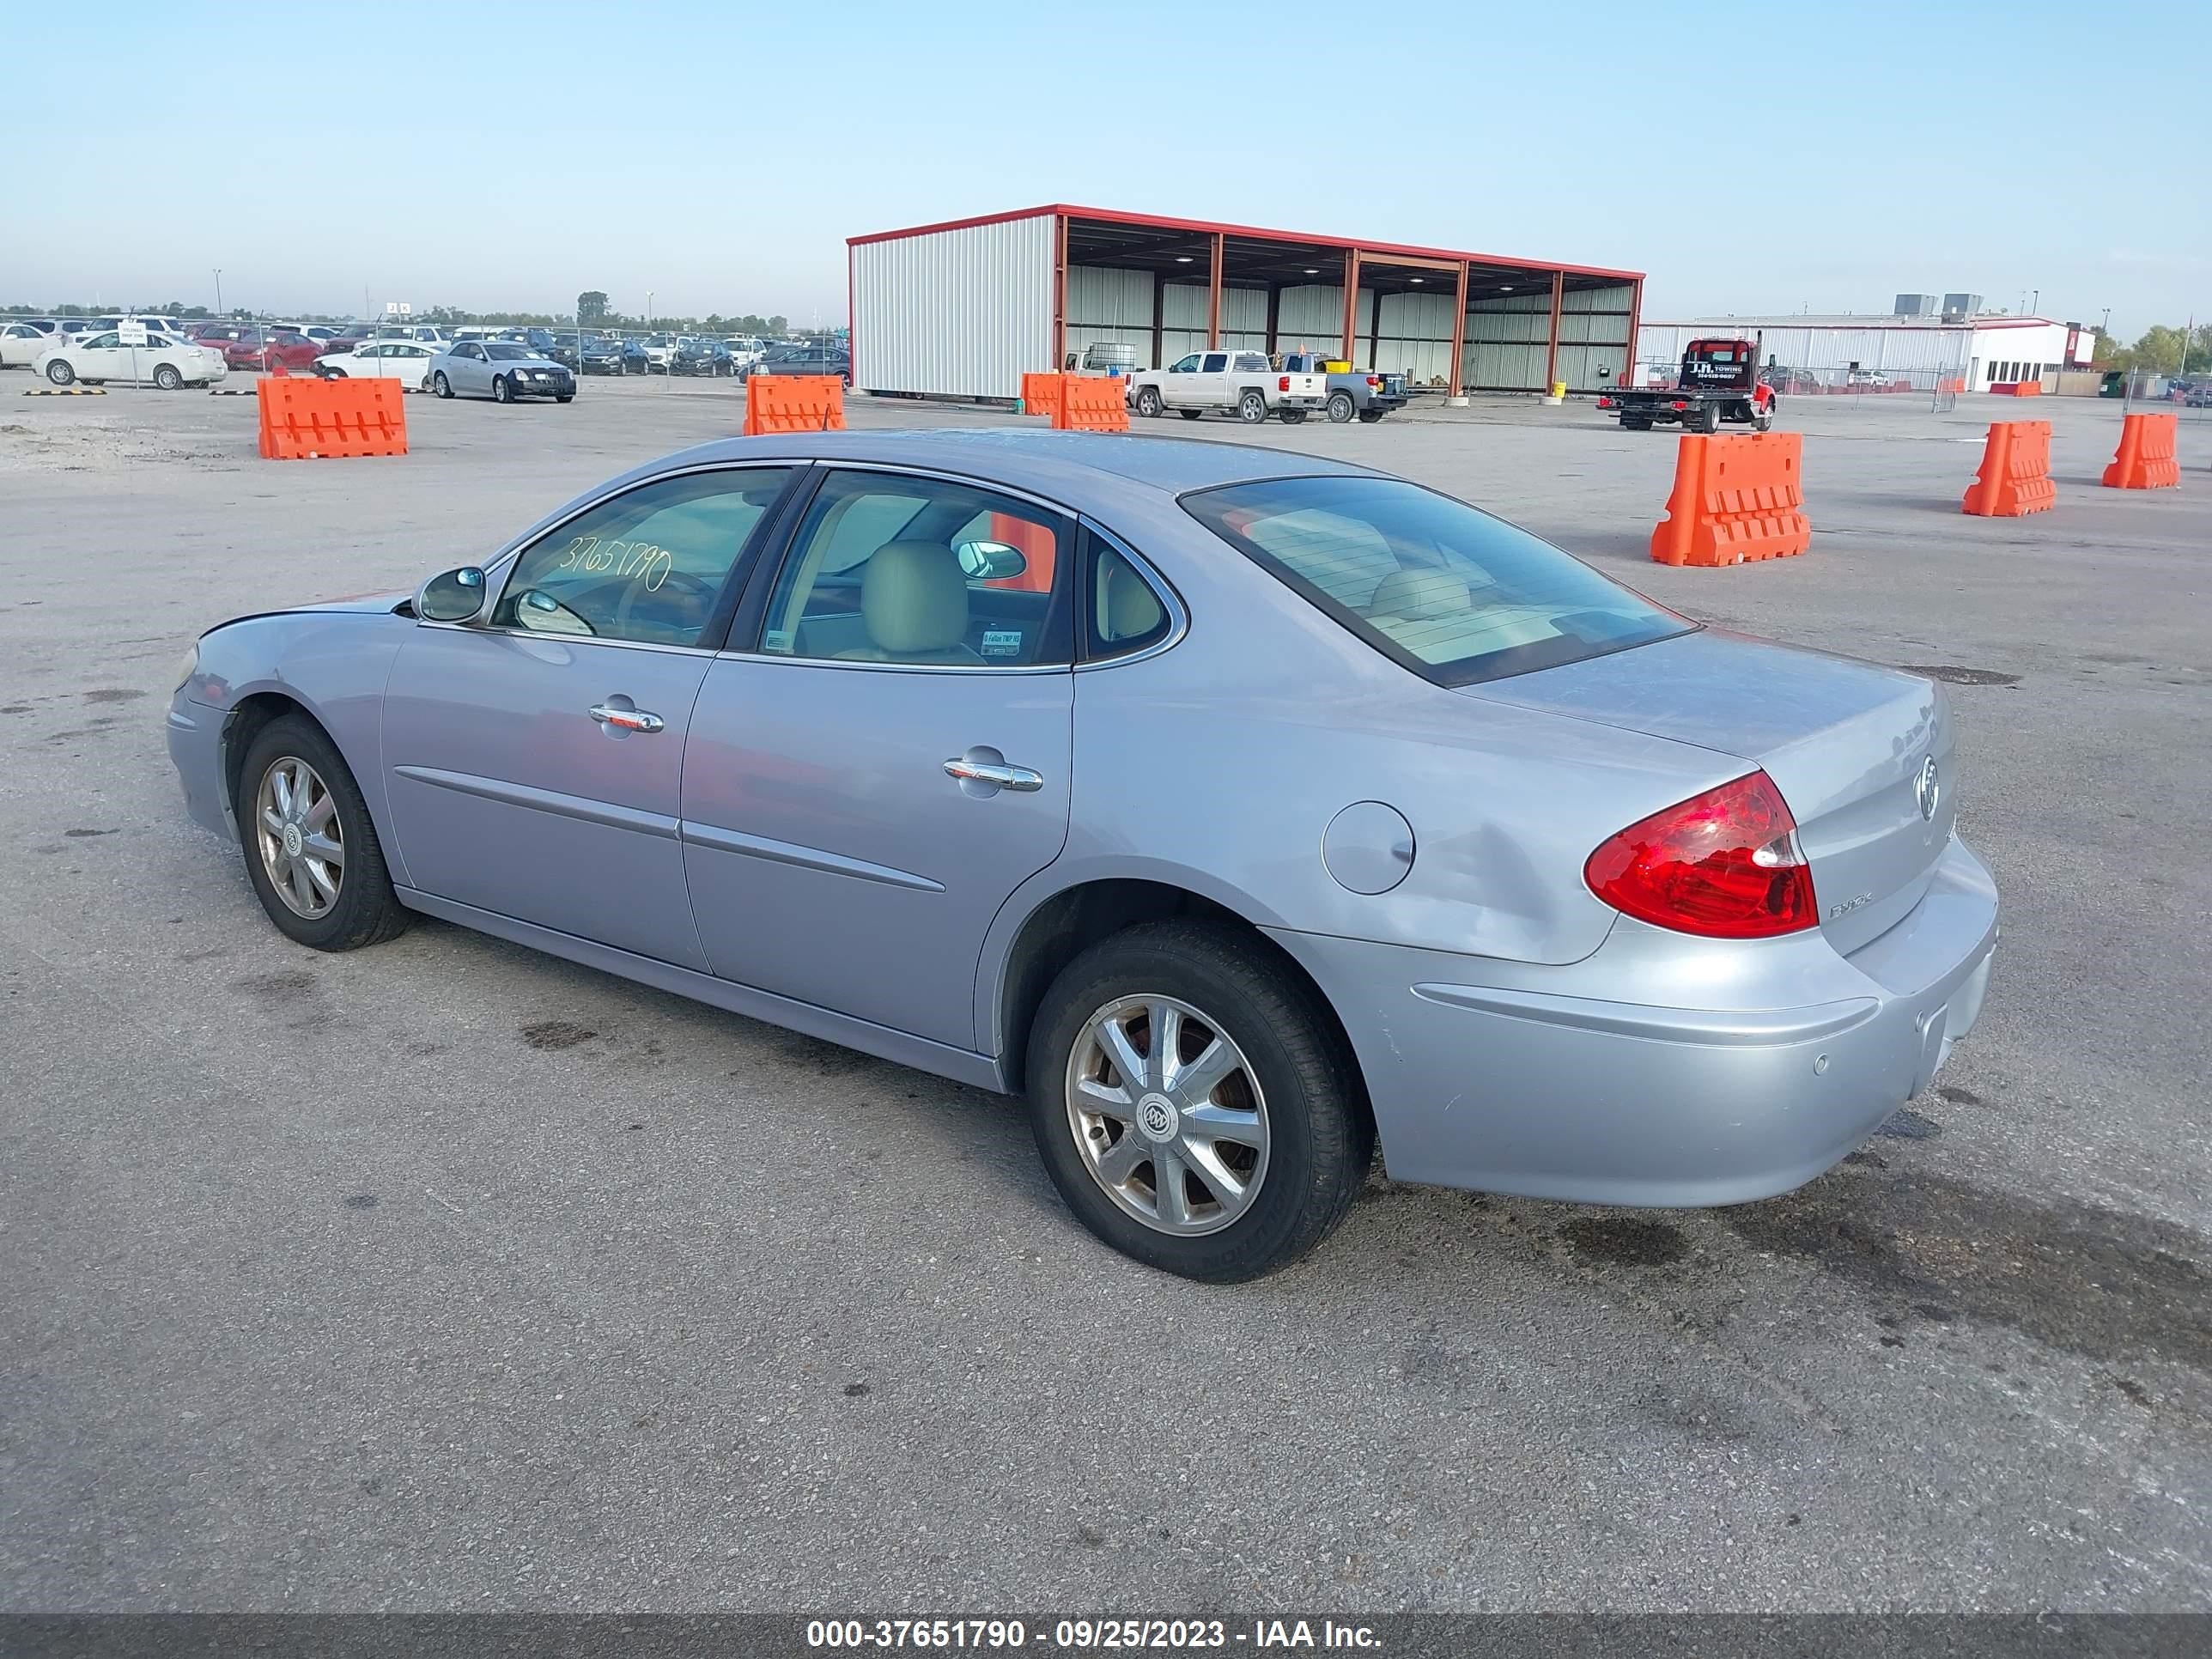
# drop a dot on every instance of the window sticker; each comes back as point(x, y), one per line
point(1002, 643)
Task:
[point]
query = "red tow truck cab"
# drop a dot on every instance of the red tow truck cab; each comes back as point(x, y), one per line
point(1719, 381)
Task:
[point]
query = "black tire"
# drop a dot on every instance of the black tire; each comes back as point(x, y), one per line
point(60, 373)
point(1708, 417)
point(1368, 417)
point(1293, 416)
point(501, 393)
point(331, 373)
point(1340, 408)
point(1148, 403)
point(166, 378)
point(1252, 407)
point(440, 385)
point(1762, 419)
point(366, 911)
point(1321, 1137)
point(1192, 414)
point(565, 398)
point(1635, 423)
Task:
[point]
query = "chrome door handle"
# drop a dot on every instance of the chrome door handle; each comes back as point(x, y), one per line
point(626, 719)
point(1020, 779)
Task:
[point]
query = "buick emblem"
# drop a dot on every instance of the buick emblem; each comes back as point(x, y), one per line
point(1156, 1118)
point(1927, 790)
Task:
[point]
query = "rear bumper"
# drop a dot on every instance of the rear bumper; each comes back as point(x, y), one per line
point(1571, 1083)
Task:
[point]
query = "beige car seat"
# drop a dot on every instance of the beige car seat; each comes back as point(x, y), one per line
point(914, 602)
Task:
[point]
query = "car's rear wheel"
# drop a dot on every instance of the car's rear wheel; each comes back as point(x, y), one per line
point(60, 373)
point(440, 385)
point(1192, 414)
point(1252, 408)
point(1708, 417)
point(311, 849)
point(1148, 401)
point(1193, 1104)
point(1339, 407)
point(1293, 416)
point(565, 398)
point(1368, 417)
point(1634, 424)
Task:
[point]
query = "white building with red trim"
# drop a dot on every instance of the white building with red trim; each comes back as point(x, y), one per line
point(1847, 353)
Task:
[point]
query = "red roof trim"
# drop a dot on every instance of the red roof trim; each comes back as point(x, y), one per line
point(1207, 226)
point(1901, 325)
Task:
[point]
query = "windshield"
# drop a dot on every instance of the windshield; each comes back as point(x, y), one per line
point(1438, 586)
point(501, 352)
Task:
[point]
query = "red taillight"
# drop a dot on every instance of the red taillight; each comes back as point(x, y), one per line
point(1680, 404)
point(1605, 403)
point(1725, 864)
point(1375, 379)
point(1283, 384)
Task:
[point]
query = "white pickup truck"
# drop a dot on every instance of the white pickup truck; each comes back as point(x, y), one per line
point(1236, 382)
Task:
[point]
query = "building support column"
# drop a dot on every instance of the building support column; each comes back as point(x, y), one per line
point(1274, 314)
point(1059, 292)
point(1552, 339)
point(1455, 377)
point(1351, 300)
point(1214, 294)
point(1375, 335)
point(1159, 319)
point(1635, 313)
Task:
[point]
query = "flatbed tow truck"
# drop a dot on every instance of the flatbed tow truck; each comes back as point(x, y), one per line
point(1720, 382)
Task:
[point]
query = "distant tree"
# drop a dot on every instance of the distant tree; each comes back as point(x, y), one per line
point(2158, 348)
point(776, 326)
point(592, 308)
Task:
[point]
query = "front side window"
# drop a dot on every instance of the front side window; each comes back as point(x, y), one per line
point(1184, 365)
point(1439, 586)
point(646, 567)
point(933, 572)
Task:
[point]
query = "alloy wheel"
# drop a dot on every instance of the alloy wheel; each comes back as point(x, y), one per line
point(1168, 1115)
point(300, 837)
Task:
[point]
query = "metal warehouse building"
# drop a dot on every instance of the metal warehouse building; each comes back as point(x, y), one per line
point(1919, 352)
point(965, 308)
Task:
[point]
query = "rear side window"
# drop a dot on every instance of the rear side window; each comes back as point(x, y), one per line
point(1438, 586)
point(1123, 612)
point(1251, 364)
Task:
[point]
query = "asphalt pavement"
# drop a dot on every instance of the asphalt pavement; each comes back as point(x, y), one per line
point(446, 1276)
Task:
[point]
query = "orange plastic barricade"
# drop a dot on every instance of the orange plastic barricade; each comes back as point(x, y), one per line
point(1736, 499)
point(1092, 402)
point(795, 403)
point(1040, 395)
point(2146, 458)
point(2016, 476)
point(304, 419)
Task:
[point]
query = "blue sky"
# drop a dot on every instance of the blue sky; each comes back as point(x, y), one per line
point(1748, 157)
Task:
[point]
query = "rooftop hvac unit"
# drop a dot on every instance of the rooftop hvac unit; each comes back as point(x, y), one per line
point(1956, 306)
point(1916, 304)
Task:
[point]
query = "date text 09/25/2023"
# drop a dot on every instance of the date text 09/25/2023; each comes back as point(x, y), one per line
point(1091, 1635)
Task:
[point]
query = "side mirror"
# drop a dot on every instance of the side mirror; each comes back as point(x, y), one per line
point(454, 596)
point(991, 561)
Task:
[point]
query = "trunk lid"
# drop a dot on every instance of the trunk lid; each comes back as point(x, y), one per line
point(1848, 742)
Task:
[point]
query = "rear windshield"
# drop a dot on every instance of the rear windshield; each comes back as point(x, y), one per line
point(1444, 589)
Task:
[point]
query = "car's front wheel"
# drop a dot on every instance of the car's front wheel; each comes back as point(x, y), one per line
point(167, 378)
point(311, 849)
point(60, 373)
point(1194, 1105)
point(501, 393)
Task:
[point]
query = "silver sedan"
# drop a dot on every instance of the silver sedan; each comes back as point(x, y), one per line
point(1243, 811)
point(501, 370)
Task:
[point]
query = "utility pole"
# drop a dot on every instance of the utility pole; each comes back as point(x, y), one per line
point(218, 290)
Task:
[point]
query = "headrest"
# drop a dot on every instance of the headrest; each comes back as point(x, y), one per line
point(1419, 595)
point(913, 597)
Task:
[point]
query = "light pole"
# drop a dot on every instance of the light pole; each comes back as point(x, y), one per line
point(218, 290)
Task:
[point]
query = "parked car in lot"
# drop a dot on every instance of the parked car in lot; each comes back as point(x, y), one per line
point(709, 357)
point(804, 360)
point(22, 344)
point(408, 361)
point(660, 349)
point(163, 361)
point(600, 354)
point(501, 370)
point(1554, 891)
point(635, 359)
point(1242, 383)
point(560, 348)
